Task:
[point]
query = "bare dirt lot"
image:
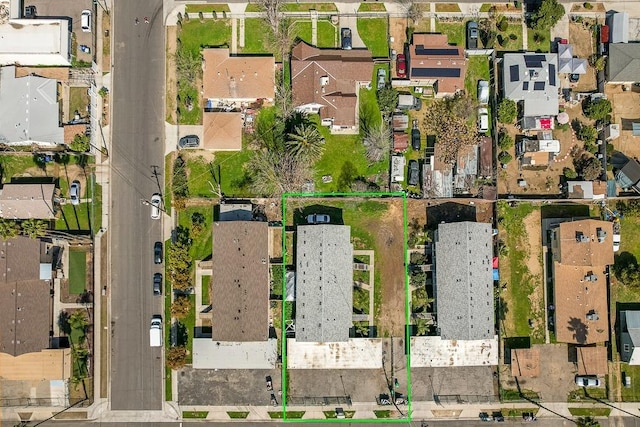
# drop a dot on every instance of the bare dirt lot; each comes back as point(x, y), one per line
point(426, 383)
point(362, 385)
point(581, 37)
point(626, 109)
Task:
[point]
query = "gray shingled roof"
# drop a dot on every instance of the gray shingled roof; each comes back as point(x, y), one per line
point(624, 62)
point(533, 79)
point(324, 283)
point(464, 281)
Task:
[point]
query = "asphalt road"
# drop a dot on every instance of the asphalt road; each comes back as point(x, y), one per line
point(137, 145)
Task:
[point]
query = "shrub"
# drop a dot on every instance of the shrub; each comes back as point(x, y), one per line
point(505, 141)
point(587, 134)
point(587, 5)
point(569, 173)
point(507, 111)
point(503, 24)
point(504, 157)
point(513, 36)
point(598, 109)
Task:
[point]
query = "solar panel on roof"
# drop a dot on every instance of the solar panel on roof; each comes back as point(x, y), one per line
point(538, 86)
point(436, 51)
point(514, 72)
point(534, 61)
point(552, 74)
point(435, 72)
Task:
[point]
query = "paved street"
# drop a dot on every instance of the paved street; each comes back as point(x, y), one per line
point(137, 145)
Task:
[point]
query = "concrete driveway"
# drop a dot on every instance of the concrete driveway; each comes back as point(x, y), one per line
point(352, 23)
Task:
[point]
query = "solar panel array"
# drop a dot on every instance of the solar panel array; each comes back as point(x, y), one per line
point(420, 50)
point(538, 86)
point(435, 72)
point(552, 74)
point(534, 61)
point(514, 73)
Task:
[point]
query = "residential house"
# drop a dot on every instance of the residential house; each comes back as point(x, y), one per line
point(567, 63)
point(464, 299)
point(630, 336)
point(626, 171)
point(623, 63)
point(324, 283)
point(588, 190)
point(327, 82)
point(231, 83)
point(240, 300)
point(618, 23)
point(25, 201)
point(531, 79)
point(33, 42)
point(437, 175)
point(535, 153)
point(435, 65)
point(29, 110)
point(466, 168)
point(582, 252)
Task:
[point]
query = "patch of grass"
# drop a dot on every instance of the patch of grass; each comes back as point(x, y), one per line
point(195, 35)
point(372, 7)
point(543, 45)
point(78, 101)
point(565, 211)
point(97, 208)
point(579, 395)
point(256, 33)
point(382, 413)
point(207, 8)
point(517, 412)
point(360, 301)
point(304, 7)
point(205, 290)
point(189, 323)
point(455, 32)
point(512, 394)
point(77, 272)
point(590, 412)
point(326, 34)
point(238, 415)
point(521, 283)
point(486, 7)
point(631, 394)
point(290, 415)
point(302, 30)
point(201, 244)
point(508, 44)
point(477, 69)
point(195, 414)
point(11, 166)
point(187, 92)
point(73, 217)
point(168, 392)
point(276, 280)
point(332, 414)
point(199, 176)
point(373, 32)
point(234, 178)
point(447, 7)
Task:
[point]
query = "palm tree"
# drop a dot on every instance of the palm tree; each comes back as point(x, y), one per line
point(587, 422)
point(306, 142)
point(33, 228)
point(9, 228)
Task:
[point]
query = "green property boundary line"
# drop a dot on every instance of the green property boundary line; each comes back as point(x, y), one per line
point(407, 337)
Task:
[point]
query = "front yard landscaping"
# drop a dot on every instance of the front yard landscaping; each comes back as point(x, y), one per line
point(198, 220)
point(256, 36)
point(454, 30)
point(77, 271)
point(538, 41)
point(374, 34)
point(195, 35)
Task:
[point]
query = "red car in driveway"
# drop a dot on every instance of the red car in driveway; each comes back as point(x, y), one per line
point(401, 66)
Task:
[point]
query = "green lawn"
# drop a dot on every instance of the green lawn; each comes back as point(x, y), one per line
point(256, 36)
point(333, 415)
point(205, 289)
point(373, 32)
point(77, 272)
point(290, 415)
point(520, 282)
point(238, 414)
point(74, 217)
point(302, 30)
point(189, 323)
point(477, 69)
point(206, 8)
point(385, 413)
point(454, 31)
point(189, 97)
point(508, 44)
point(234, 180)
point(15, 165)
point(201, 240)
point(590, 412)
point(361, 300)
point(327, 34)
point(543, 45)
point(578, 395)
point(304, 7)
point(195, 414)
point(78, 101)
point(371, 7)
point(195, 35)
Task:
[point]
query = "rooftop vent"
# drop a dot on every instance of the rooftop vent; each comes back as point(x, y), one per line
point(592, 315)
point(602, 235)
point(324, 80)
point(581, 238)
point(591, 278)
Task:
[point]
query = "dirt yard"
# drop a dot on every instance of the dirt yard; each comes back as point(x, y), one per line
point(626, 109)
point(581, 37)
point(172, 35)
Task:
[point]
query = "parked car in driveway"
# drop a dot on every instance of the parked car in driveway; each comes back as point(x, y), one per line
point(587, 381)
point(483, 120)
point(85, 21)
point(345, 37)
point(472, 35)
point(415, 136)
point(74, 193)
point(157, 253)
point(401, 66)
point(318, 219)
point(483, 92)
point(414, 172)
point(189, 141)
point(382, 78)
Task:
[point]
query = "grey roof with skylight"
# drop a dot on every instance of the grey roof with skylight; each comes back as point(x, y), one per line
point(533, 79)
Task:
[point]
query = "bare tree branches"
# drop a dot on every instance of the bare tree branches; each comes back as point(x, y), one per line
point(277, 172)
point(377, 142)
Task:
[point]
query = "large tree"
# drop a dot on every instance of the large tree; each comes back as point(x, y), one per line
point(9, 228)
point(33, 228)
point(598, 109)
point(305, 142)
point(180, 306)
point(276, 172)
point(507, 111)
point(548, 14)
point(377, 141)
point(589, 167)
point(176, 357)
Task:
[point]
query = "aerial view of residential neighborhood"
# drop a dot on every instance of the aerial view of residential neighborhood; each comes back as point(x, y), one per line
point(279, 211)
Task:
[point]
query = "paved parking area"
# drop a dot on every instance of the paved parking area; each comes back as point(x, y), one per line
point(226, 387)
point(460, 380)
point(363, 385)
point(70, 9)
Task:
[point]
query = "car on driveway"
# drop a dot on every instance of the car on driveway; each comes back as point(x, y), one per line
point(157, 284)
point(74, 192)
point(157, 253)
point(587, 381)
point(189, 141)
point(318, 219)
point(85, 21)
point(483, 92)
point(415, 136)
point(483, 120)
point(345, 37)
point(414, 172)
point(382, 78)
point(156, 199)
point(472, 35)
point(401, 66)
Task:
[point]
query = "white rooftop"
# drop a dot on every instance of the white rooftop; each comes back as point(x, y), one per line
point(549, 145)
point(433, 352)
point(359, 353)
point(34, 42)
point(210, 354)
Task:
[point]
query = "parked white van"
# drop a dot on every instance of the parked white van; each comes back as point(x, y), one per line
point(85, 21)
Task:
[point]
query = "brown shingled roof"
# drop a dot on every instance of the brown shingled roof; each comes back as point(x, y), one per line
point(23, 201)
point(222, 131)
point(342, 70)
point(438, 55)
point(240, 281)
point(592, 361)
point(591, 252)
